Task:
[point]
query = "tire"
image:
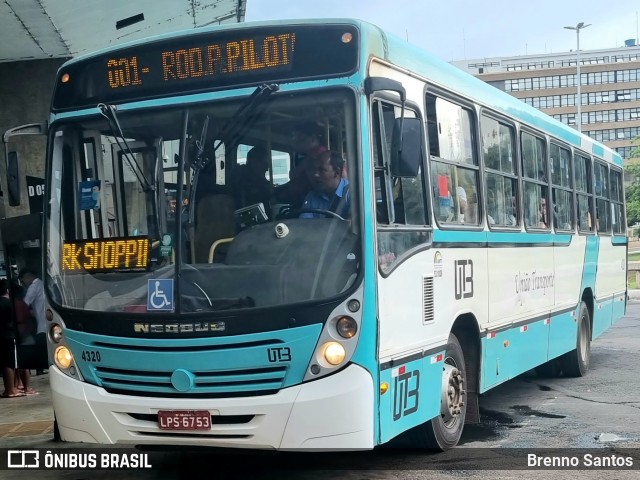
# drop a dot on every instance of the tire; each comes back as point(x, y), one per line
point(56, 431)
point(444, 431)
point(576, 362)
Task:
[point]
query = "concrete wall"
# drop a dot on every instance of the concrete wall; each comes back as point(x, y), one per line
point(25, 97)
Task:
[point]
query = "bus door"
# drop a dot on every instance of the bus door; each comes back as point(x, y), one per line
point(133, 166)
point(405, 284)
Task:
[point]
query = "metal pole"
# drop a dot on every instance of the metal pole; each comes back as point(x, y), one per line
point(579, 80)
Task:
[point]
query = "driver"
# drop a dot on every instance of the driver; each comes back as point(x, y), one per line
point(329, 190)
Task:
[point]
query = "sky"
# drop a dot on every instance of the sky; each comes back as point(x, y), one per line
point(467, 29)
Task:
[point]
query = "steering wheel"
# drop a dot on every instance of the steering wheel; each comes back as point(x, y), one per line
point(322, 211)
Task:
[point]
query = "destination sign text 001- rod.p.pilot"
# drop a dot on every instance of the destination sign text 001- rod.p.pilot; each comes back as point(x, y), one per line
point(206, 61)
point(272, 52)
point(106, 255)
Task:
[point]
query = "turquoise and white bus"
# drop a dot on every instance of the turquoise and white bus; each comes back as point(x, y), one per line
point(483, 239)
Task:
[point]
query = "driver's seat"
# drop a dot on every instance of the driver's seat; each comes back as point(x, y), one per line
point(214, 220)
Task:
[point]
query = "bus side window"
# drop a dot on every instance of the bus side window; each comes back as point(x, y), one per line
point(562, 192)
point(403, 196)
point(501, 175)
point(617, 202)
point(454, 162)
point(534, 172)
point(399, 201)
point(584, 191)
point(603, 210)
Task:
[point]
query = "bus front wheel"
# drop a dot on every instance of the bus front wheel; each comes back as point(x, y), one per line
point(443, 432)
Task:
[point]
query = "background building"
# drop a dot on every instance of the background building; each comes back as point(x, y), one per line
point(610, 89)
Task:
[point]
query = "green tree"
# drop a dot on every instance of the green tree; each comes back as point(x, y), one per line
point(632, 192)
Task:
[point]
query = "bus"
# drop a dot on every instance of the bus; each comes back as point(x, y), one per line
point(482, 239)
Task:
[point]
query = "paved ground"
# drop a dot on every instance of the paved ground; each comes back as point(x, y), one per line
point(27, 416)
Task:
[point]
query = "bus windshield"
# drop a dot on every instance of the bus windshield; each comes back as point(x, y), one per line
point(221, 206)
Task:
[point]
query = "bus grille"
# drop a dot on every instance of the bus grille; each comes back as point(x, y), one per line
point(207, 384)
point(247, 365)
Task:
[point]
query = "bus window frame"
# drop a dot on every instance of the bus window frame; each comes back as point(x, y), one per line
point(473, 108)
point(545, 142)
point(377, 99)
point(605, 233)
point(571, 189)
point(615, 168)
point(517, 168)
point(589, 194)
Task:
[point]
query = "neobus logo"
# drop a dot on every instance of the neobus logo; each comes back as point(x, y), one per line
point(179, 327)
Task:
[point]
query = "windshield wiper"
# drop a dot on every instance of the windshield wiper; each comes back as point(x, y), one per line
point(233, 131)
point(109, 112)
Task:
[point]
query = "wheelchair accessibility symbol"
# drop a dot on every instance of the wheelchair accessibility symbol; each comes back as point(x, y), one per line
point(160, 294)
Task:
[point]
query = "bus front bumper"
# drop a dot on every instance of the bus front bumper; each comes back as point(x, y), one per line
point(332, 413)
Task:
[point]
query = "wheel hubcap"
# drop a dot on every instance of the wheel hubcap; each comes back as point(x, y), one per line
point(453, 393)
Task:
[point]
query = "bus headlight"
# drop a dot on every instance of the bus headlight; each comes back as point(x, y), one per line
point(333, 353)
point(346, 327)
point(63, 357)
point(56, 333)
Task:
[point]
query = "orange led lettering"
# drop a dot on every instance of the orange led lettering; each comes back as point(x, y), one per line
point(182, 64)
point(123, 72)
point(125, 254)
point(168, 65)
point(70, 255)
point(143, 257)
point(214, 55)
point(112, 75)
point(251, 62)
point(121, 251)
point(89, 251)
point(130, 251)
point(233, 53)
point(284, 41)
point(133, 64)
point(271, 51)
point(108, 257)
point(196, 66)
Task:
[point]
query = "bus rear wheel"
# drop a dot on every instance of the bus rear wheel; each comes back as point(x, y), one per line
point(444, 431)
point(576, 362)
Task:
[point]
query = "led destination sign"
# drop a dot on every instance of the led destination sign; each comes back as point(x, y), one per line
point(105, 255)
point(208, 61)
point(273, 52)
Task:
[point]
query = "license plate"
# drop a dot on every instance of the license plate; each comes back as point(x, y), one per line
point(184, 420)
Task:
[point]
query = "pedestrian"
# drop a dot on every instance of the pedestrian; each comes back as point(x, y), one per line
point(25, 328)
point(8, 353)
point(34, 298)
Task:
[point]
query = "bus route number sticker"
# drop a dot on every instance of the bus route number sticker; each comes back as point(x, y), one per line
point(463, 279)
point(160, 295)
point(406, 392)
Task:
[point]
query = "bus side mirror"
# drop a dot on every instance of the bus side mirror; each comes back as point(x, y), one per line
point(13, 179)
point(406, 147)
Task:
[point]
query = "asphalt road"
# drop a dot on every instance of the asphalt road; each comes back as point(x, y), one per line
point(598, 414)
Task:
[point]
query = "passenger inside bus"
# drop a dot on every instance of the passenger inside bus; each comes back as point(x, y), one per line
point(543, 221)
point(329, 190)
point(452, 209)
point(249, 183)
